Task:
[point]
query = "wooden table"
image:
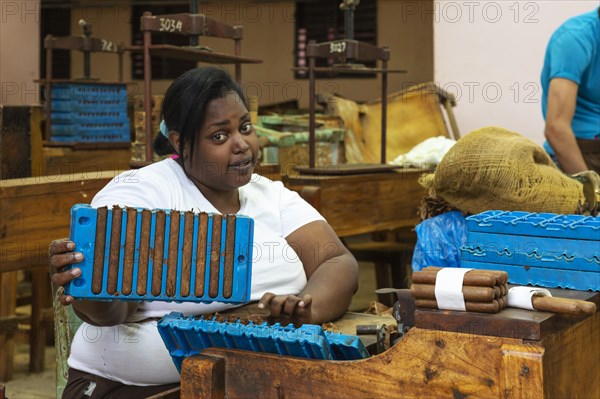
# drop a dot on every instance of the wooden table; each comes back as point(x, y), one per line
point(560, 362)
point(363, 203)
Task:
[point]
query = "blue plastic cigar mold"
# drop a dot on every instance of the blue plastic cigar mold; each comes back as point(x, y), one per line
point(544, 249)
point(187, 336)
point(123, 263)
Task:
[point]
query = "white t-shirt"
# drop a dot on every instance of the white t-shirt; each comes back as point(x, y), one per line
point(133, 353)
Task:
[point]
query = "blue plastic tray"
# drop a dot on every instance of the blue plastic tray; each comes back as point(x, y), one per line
point(88, 97)
point(545, 249)
point(543, 277)
point(187, 336)
point(88, 117)
point(90, 128)
point(89, 92)
point(532, 251)
point(128, 256)
point(82, 105)
point(95, 136)
point(536, 224)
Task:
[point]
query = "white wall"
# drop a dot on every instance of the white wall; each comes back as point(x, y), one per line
point(19, 52)
point(490, 54)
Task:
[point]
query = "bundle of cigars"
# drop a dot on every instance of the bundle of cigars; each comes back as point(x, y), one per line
point(483, 290)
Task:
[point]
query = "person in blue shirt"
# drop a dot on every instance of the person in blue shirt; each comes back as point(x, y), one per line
point(571, 94)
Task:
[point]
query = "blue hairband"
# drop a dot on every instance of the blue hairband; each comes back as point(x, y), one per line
point(164, 129)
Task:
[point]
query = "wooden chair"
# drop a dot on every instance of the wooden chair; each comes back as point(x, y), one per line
point(413, 115)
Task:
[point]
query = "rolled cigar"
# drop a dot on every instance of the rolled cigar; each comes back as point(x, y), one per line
point(491, 307)
point(142, 280)
point(215, 256)
point(504, 289)
point(115, 246)
point(502, 301)
point(586, 306)
point(159, 249)
point(229, 254)
point(98, 270)
point(497, 291)
point(127, 281)
point(470, 293)
point(501, 276)
point(186, 260)
point(201, 255)
point(562, 305)
point(173, 252)
point(470, 279)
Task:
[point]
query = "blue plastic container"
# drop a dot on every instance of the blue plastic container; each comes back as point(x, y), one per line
point(187, 336)
point(89, 92)
point(544, 249)
point(543, 277)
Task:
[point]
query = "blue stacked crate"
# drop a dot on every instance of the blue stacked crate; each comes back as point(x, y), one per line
point(542, 249)
point(89, 113)
point(186, 336)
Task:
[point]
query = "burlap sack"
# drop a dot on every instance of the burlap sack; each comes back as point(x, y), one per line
point(493, 168)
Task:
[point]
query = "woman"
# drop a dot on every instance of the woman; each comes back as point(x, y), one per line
point(301, 271)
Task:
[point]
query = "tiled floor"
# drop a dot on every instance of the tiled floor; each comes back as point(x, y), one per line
point(26, 385)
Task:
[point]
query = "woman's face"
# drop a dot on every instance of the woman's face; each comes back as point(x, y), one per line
point(226, 147)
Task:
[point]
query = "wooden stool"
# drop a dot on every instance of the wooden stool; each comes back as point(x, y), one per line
point(392, 264)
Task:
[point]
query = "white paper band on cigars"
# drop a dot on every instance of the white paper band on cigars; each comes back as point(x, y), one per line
point(520, 297)
point(448, 288)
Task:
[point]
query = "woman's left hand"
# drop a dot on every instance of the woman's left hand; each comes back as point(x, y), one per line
point(288, 308)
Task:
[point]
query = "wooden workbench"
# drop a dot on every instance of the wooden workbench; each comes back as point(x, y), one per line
point(363, 203)
point(560, 362)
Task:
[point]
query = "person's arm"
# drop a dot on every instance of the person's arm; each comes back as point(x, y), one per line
point(331, 271)
point(562, 98)
point(98, 313)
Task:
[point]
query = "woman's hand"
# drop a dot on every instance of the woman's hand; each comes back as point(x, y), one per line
point(288, 308)
point(98, 313)
point(61, 255)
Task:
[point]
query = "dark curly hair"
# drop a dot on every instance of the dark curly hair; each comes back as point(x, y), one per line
point(185, 104)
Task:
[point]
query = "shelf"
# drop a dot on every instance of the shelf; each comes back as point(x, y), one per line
point(346, 169)
point(350, 69)
point(194, 54)
point(84, 81)
point(77, 145)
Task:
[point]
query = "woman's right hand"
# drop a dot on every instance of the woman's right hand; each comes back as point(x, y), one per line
point(61, 255)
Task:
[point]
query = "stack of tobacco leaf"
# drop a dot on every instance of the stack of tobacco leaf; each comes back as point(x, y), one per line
point(483, 290)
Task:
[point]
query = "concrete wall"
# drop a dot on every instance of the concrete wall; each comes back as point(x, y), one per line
point(19, 52)
point(490, 54)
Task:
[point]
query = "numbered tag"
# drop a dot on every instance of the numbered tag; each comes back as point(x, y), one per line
point(337, 47)
point(170, 25)
point(109, 46)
